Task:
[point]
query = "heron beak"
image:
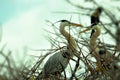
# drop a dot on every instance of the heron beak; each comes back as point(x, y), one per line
point(86, 30)
point(75, 24)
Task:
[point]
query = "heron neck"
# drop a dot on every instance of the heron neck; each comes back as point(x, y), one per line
point(94, 37)
point(71, 42)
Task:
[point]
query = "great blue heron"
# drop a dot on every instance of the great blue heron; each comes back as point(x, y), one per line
point(58, 62)
point(103, 57)
point(95, 18)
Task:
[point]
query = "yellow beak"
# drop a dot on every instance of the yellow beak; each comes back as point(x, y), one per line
point(86, 30)
point(96, 27)
point(75, 24)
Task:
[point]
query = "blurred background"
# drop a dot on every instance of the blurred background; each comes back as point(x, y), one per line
point(24, 24)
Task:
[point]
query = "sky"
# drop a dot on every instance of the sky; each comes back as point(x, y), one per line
point(22, 20)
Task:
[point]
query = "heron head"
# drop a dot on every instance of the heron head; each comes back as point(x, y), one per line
point(99, 10)
point(68, 23)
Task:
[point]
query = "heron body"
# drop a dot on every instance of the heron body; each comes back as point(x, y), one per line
point(58, 62)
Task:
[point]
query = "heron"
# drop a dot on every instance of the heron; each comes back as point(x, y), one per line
point(95, 18)
point(103, 56)
point(106, 61)
point(56, 64)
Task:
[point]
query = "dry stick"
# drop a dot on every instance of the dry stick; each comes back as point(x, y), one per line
point(118, 39)
point(34, 68)
point(53, 41)
point(119, 55)
point(109, 31)
point(112, 17)
point(2, 65)
point(78, 6)
point(88, 65)
point(118, 21)
point(9, 65)
point(85, 62)
point(63, 12)
point(73, 73)
point(6, 66)
point(63, 71)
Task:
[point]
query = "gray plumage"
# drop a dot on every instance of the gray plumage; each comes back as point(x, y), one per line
point(55, 64)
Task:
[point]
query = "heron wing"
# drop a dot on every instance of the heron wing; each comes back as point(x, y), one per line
point(55, 63)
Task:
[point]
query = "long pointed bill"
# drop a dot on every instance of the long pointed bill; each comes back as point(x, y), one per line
point(86, 30)
point(75, 24)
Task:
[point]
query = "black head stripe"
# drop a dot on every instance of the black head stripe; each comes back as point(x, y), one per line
point(63, 20)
